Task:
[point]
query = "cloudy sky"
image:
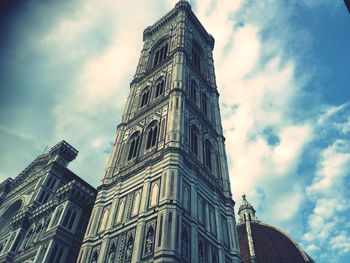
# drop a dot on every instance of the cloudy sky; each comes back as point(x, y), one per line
point(283, 72)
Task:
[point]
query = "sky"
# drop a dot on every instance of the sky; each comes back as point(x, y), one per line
point(283, 74)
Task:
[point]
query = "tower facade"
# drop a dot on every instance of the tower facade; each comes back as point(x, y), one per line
point(165, 195)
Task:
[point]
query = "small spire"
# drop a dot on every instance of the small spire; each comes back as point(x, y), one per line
point(246, 211)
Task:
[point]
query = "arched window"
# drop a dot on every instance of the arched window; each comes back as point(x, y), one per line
point(37, 232)
point(159, 88)
point(205, 104)
point(145, 94)
point(201, 250)
point(94, 257)
point(72, 220)
point(104, 219)
point(185, 251)
point(196, 56)
point(136, 203)
point(194, 140)
point(56, 216)
point(66, 219)
point(111, 253)
point(187, 197)
point(28, 237)
point(193, 91)
point(160, 54)
point(152, 135)
point(129, 249)
point(149, 241)
point(207, 154)
point(120, 210)
point(154, 194)
point(134, 144)
point(201, 210)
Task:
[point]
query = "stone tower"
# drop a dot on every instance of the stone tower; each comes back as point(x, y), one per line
point(165, 195)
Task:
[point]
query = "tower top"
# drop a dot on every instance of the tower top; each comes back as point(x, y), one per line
point(246, 211)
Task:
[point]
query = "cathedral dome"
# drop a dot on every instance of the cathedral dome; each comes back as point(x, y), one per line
point(270, 245)
point(260, 243)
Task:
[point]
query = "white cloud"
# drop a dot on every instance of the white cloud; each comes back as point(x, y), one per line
point(333, 166)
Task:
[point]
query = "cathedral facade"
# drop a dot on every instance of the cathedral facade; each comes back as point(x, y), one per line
point(44, 211)
point(165, 195)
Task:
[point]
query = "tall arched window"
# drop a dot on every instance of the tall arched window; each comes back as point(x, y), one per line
point(120, 210)
point(72, 220)
point(194, 140)
point(104, 219)
point(65, 222)
point(56, 216)
point(129, 248)
point(205, 104)
point(153, 201)
point(134, 144)
point(193, 91)
point(111, 253)
point(207, 154)
point(145, 94)
point(152, 135)
point(160, 54)
point(196, 56)
point(94, 256)
point(159, 88)
point(149, 241)
point(185, 249)
point(136, 203)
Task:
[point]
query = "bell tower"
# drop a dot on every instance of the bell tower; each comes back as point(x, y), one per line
point(165, 195)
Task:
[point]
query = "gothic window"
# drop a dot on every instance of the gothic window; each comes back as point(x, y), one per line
point(145, 94)
point(205, 104)
point(224, 230)
point(134, 144)
point(154, 193)
point(207, 154)
point(160, 230)
point(212, 220)
point(121, 210)
point(53, 253)
point(111, 253)
point(187, 197)
point(202, 251)
point(136, 203)
point(201, 211)
point(159, 88)
point(194, 140)
point(94, 256)
point(185, 244)
point(193, 91)
point(218, 173)
point(170, 225)
point(28, 237)
point(196, 56)
point(37, 232)
point(71, 220)
point(67, 217)
point(129, 249)
point(104, 219)
point(152, 135)
point(149, 241)
point(160, 54)
point(214, 255)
